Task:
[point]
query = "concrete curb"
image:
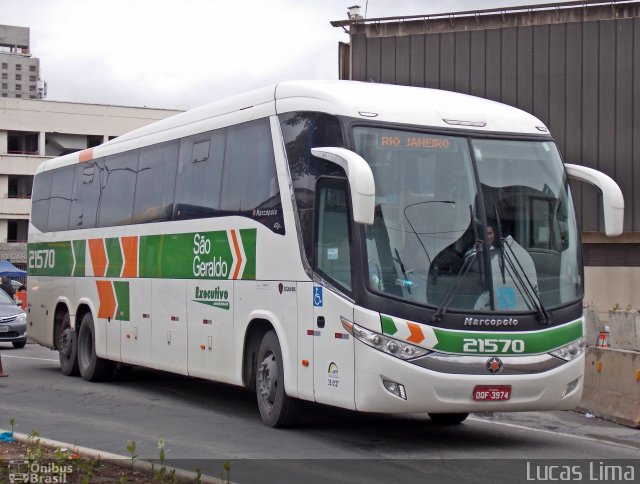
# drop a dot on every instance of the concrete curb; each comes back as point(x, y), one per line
point(119, 460)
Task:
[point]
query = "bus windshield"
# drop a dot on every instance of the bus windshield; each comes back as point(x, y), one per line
point(503, 241)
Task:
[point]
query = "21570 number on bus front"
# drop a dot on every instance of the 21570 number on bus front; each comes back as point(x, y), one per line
point(492, 345)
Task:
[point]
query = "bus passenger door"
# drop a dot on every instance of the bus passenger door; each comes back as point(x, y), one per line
point(333, 346)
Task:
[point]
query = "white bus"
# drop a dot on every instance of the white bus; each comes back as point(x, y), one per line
point(378, 248)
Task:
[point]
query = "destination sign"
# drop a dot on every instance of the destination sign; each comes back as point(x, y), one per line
point(414, 141)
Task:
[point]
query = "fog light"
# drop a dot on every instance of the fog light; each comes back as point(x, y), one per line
point(570, 387)
point(396, 388)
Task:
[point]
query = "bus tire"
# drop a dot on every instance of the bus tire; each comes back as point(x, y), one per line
point(92, 368)
point(67, 344)
point(448, 418)
point(19, 344)
point(277, 409)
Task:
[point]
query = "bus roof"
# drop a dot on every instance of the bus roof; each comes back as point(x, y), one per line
point(368, 101)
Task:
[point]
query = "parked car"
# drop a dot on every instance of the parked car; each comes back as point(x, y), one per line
point(13, 322)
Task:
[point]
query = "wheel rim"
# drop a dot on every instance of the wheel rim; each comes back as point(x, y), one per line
point(268, 379)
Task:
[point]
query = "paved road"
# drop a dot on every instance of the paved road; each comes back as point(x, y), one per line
point(205, 423)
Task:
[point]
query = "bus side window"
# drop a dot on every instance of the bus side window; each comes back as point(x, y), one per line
point(61, 189)
point(118, 188)
point(155, 183)
point(199, 175)
point(86, 193)
point(332, 245)
point(40, 200)
point(250, 182)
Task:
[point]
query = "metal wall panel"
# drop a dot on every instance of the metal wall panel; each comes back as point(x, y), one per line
point(388, 65)
point(581, 78)
point(416, 56)
point(635, 128)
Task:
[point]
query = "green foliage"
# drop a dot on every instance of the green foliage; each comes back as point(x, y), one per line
point(226, 468)
point(131, 448)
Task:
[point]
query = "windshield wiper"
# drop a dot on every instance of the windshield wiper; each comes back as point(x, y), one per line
point(459, 277)
point(525, 286)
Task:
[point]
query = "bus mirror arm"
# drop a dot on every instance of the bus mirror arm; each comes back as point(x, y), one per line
point(612, 199)
point(361, 183)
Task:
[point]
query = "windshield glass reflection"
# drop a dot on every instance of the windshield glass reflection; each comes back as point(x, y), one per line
point(428, 239)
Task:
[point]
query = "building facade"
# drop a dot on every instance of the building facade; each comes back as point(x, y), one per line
point(19, 71)
point(574, 65)
point(32, 131)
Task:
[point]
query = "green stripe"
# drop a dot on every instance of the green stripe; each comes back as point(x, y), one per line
point(169, 256)
point(50, 259)
point(121, 289)
point(114, 269)
point(216, 304)
point(388, 326)
point(79, 250)
point(248, 237)
point(533, 342)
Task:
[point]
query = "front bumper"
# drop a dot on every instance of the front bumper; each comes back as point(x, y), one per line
point(15, 332)
point(432, 391)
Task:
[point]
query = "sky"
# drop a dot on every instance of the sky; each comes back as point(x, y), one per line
point(179, 54)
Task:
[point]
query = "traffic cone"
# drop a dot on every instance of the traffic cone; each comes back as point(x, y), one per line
point(1, 372)
point(602, 342)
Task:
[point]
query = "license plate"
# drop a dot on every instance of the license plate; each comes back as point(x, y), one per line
point(4, 328)
point(485, 393)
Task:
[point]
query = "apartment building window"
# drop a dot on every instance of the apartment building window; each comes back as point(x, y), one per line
point(17, 230)
point(18, 77)
point(18, 87)
point(18, 67)
point(20, 186)
point(5, 65)
point(5, 85)
point(22, 142)
point(32, 88)
point(32, 78)
point(32, 68)
point(4, 94)
point(5, 75)
point(19, 96)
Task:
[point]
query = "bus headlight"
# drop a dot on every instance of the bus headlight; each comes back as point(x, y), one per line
point(570, 351)
point(391, 346)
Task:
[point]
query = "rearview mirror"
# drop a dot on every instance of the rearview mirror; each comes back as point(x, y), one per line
point(612, 199)
point(360, 176)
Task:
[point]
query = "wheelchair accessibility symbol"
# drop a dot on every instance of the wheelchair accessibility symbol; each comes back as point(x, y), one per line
point(317, 296)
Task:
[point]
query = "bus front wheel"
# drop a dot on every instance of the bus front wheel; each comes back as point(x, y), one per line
point(67, 345)
point(277, 409)
point(92, 368)
point(448, 418)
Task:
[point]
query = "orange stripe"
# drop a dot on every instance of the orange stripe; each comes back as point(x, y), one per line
point(107, 299)
point(86, 155)
point(130, 253)
point(98, 257)
point(416, 333)
point(238, 254)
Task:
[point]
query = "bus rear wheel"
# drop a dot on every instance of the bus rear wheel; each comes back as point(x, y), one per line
point(277, 409)
point(448, 418)
point(92, 368)
point(67, 345)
